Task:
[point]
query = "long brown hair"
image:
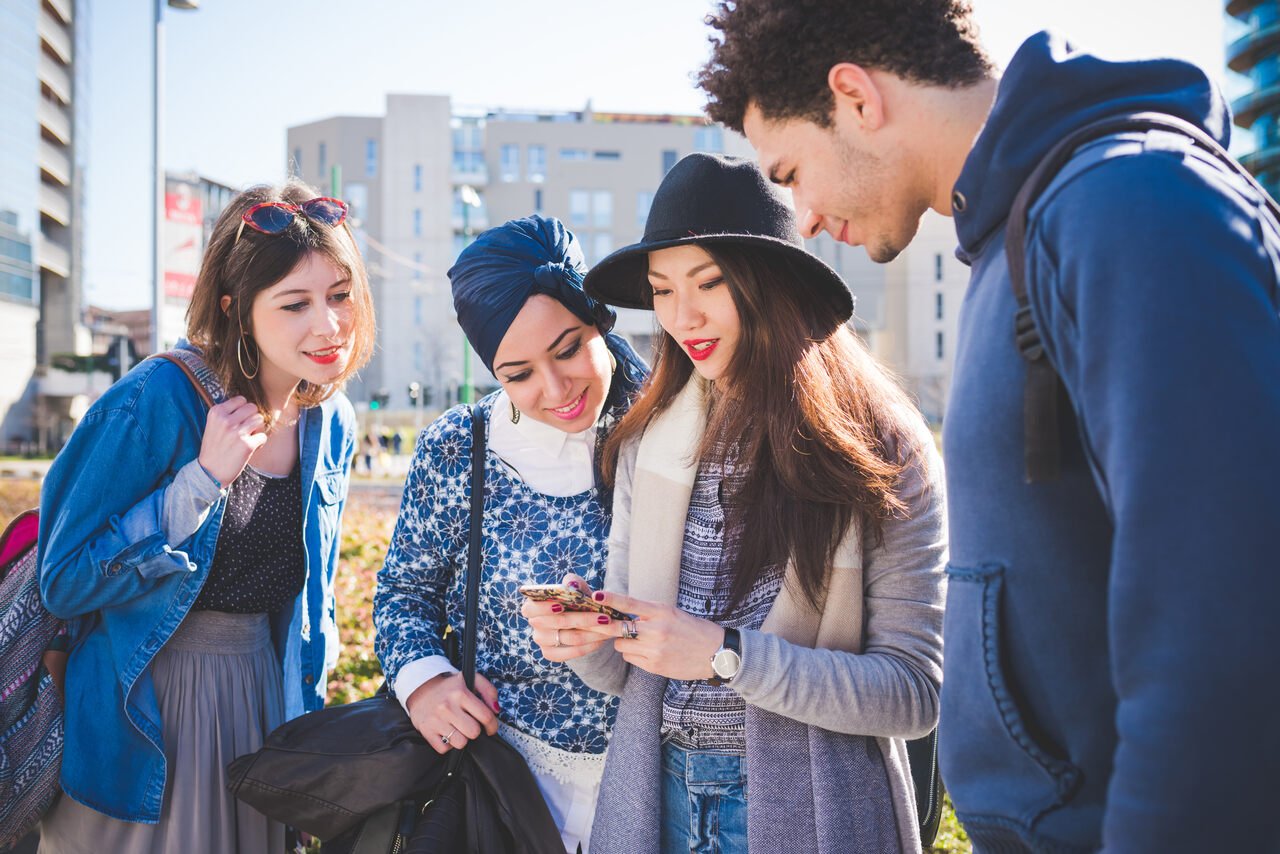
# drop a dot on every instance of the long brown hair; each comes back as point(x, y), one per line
point(817, 432)
point(242, 269)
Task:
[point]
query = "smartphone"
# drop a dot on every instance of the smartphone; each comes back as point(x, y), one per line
point(571, 599)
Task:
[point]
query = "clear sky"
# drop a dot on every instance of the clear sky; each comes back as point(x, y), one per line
point(239, 72)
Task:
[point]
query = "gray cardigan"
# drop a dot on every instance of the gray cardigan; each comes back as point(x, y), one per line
point(830, 694)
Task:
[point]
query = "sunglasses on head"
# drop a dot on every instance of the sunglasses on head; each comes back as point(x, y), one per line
point(275, 217)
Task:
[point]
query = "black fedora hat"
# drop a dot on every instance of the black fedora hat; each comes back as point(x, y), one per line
point(710, 199)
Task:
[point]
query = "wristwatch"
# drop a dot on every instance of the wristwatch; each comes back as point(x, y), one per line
point(727, 661)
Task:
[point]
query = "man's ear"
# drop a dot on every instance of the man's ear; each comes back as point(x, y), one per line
point(856, 93)
point(225, 303)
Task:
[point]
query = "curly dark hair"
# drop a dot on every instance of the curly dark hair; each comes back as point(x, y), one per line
point(776, 53)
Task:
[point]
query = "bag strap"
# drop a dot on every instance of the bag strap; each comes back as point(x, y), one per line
point(474, 547)
point(201, 376)
point(1043, 387)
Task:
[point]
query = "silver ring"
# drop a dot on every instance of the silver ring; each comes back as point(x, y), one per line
point(558, 641)
point(629, 629)
point(444, 739)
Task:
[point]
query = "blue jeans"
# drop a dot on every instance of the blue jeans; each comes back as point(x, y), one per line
point(704, 802)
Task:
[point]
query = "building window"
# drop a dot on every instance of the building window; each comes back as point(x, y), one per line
point(937, 267)
point(417, 356)
point(417, 277)
point(573, 154)
point(417, 311)
point(607, 155)
point(417, 177)
point(537, 200)
point(937, 340)
point(938, 305)
point(417, 222)
point(709, 139)
point(370, 158)
point(579, 207)
point(601, 245)
point(297, 161)
point(510, 162)
point(537, 163)
point(644, 201)
point(668, 160)
point(323, 160)
point(602, 209)
point(468, 162)
point(459, 243)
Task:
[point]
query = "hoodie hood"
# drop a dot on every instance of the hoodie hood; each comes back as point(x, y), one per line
point(1049, 90)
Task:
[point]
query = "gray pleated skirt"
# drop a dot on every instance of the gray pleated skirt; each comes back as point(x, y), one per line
point(218, 684)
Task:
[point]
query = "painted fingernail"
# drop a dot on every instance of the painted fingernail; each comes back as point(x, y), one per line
point(602, 620)
point(557, 608)
point(599, 596)
point(496, 707)
point(574, 585)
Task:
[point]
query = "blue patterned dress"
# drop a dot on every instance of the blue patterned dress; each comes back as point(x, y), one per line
point(529, 538)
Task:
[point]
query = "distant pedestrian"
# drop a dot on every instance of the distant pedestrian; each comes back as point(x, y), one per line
point(195, 551)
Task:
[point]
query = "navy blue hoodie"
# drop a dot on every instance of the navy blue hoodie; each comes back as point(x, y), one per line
point(1112, 639)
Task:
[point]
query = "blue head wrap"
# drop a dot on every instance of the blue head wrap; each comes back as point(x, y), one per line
point(494, 277)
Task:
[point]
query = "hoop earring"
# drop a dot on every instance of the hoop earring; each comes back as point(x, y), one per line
point(515, 413)
point(240, 360)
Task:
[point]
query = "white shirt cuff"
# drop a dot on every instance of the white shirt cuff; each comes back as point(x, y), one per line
point(417, 672)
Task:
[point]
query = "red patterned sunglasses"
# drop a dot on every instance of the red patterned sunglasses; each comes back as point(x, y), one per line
point(275, 217)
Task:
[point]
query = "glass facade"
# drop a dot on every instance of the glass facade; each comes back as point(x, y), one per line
point(1253, 53)
point(19, 141)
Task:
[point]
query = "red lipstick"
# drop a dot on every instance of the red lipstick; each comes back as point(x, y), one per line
point(696, 349)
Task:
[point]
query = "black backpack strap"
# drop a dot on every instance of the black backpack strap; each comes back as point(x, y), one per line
point(474, 547)
point(1044, 389)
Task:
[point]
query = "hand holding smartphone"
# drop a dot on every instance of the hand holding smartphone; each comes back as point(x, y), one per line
point(571, 599)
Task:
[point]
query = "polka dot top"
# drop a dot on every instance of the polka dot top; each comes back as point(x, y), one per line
point(259, 564)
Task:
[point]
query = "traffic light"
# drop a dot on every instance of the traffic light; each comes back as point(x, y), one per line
point(380, 399)
point(415, 394)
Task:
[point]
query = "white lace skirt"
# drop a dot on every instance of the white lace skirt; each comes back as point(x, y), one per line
point(570, 783)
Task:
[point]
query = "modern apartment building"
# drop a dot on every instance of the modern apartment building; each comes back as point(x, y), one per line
point(42, 131)
point(409, 173)
point(1255, 53)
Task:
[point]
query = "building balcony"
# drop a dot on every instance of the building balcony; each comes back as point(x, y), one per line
point(1246, 52)
point(55, 203)
point(55, 161)
point(1248, 108)
point(53, 257)
point(1262, 160)
point(60, 383)
point(477, 222)
point(477, 177)
point(64, 9)
point(55, 119)
point(54, 33)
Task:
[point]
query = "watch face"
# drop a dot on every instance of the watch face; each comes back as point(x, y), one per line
point(726, 664)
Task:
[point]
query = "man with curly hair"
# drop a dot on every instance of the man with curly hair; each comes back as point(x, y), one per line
point(1111, 645)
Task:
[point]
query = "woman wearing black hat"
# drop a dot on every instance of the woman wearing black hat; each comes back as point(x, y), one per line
point(566, 380)
point(779, 538)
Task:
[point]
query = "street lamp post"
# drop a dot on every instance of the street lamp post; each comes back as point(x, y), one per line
point(470, 199)
point(157, 168)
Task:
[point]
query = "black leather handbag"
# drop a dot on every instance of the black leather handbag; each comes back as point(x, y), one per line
point(362, 779)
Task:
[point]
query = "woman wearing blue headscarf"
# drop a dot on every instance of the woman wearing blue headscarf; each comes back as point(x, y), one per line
point(566, 380)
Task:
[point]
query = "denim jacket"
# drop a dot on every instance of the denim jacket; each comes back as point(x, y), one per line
point(105, 565)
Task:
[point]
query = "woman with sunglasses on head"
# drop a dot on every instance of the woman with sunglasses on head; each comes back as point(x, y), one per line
point(193, 550)
point(778, 538)
point(565, 381)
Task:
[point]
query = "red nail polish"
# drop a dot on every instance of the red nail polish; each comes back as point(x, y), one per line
point(496, 707)
point(574, 585)
point(599, 596)
point(602, 620)
point(557, 608)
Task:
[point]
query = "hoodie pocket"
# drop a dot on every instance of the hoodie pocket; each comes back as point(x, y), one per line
point(990, 759)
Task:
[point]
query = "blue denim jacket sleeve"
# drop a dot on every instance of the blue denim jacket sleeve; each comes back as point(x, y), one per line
point(101, 538)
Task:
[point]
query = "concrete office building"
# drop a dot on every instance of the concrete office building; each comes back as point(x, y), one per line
point(1255, 53)
point(405, 175)
point(42, 131)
